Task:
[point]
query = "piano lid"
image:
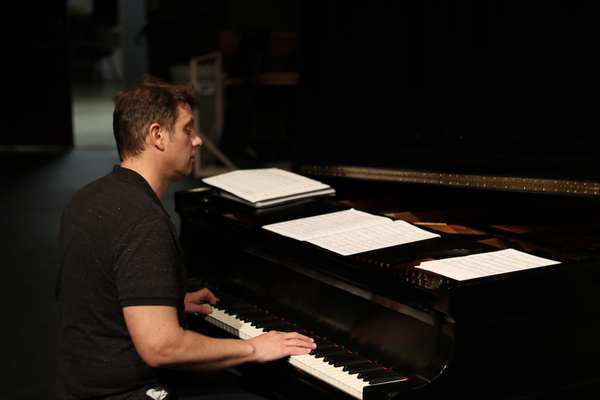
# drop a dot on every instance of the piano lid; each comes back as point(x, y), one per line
point(470, 93)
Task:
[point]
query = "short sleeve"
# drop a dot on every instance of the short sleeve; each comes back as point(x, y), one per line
point(147, 264)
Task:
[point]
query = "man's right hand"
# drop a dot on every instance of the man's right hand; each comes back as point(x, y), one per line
point(275, 345)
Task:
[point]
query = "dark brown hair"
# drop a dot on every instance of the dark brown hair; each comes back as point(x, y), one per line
point(150, 101)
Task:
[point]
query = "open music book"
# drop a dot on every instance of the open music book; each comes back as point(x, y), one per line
point(266, 187)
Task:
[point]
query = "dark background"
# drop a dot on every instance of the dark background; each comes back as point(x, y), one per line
point(378, 80)
point(488, 86)
point(464, 86)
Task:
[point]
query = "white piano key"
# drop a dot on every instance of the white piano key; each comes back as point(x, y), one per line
point(330, 374)
point(233, 325)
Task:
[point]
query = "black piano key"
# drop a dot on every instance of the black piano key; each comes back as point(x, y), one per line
point(248, 309)
point(351, 357)
point(317, 338)
point(238, 304)
point(360, 362)
point(332, 348)
point(350, 346)
point(364, 368)
point(245, 308)
point(369, 375)
point(322, 344)
point(366, 355)
point(249, 315)
point(304, 332)
point(264, 318)
point(272, 322)
point(347, 363)
point(289, 328)
point(342, 356)
point(227, 302)
point(232, 310)
point(329, 352)
point(273, 325)
point(226, 307)
point(278, 323)
point(325, 350)
point(332, 337)
point(307, 332)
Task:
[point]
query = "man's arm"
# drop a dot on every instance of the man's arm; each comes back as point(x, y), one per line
point(161, 342)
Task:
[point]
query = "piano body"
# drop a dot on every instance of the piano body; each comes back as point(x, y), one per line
point(527, 334)
point(476, 120)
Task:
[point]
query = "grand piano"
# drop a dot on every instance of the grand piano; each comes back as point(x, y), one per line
point(477, 155)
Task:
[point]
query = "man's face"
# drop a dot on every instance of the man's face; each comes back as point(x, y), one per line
point(181, 145)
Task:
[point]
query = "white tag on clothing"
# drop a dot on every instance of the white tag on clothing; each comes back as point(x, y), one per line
point(156, 394)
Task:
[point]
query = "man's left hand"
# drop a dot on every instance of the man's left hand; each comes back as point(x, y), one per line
point(193, 299)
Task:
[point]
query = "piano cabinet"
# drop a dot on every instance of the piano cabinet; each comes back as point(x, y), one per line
point(529, 334)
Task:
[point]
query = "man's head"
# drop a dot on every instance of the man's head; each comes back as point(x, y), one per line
point(151, 101)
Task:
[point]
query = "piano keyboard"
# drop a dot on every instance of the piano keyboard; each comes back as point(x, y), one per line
point(318, 365)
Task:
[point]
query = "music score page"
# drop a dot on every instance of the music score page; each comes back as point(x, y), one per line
point(351, 231)
point(485, 264)
point(267, 184)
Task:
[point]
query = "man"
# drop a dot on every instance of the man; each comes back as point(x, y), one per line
point(121, 286)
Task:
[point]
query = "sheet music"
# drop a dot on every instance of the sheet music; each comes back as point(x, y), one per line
point(264, 183)
point(372, 238)
point(326, 224)
point(485, 264)
point(351, 231)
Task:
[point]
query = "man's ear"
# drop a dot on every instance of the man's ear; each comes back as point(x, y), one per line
point(157, 136)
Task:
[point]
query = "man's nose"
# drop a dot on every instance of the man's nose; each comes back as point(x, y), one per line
point(196, 141)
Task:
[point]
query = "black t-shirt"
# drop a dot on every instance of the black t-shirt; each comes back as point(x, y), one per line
point(118, 248)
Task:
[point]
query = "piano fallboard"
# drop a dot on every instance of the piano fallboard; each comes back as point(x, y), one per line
point(509, 336)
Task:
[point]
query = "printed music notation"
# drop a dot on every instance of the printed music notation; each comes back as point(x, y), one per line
point(264, 187)
point(351, 231)
point(485, 264)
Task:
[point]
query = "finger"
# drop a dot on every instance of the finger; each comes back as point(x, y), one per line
point(207, 295)
point(296, 347)
point(296, 335)
point(294, 339)
point(297, 351)
point(309, 344)
point(197, 308)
